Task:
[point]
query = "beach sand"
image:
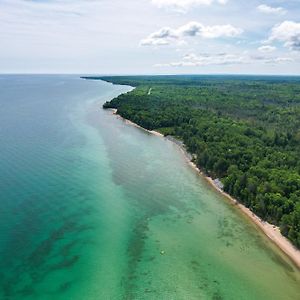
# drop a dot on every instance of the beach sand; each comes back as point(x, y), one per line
point(114, 111)
point(271, 231)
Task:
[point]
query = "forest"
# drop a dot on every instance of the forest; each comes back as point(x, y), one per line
point(244, 130)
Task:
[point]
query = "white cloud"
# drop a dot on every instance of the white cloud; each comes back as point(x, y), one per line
point(287, 32)
point(165, 35)
point(278, 60)
point(184, 4)
point(210, 32)
point(193, 60)
point(266, 9)
point(160, 37)
point(266, 49)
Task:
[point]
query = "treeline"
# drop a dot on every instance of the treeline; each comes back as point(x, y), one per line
point(245, 132)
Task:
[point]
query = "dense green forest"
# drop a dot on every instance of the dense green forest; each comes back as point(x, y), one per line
point(243, 130)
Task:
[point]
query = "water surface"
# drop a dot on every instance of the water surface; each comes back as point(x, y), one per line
point(92, 208)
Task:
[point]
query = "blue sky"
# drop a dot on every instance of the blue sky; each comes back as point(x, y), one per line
point(150, 36)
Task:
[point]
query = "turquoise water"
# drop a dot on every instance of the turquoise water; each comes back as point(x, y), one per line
point(92, 208)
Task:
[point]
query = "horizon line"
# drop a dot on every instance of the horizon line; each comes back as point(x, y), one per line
point(156, 74)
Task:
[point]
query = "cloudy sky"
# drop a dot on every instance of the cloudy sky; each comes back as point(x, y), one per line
point(150, 36)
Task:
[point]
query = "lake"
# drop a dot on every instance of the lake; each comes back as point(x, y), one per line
point(93, 208)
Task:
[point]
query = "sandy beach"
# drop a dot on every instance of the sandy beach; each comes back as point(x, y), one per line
point(271, 231)
point(114, 111)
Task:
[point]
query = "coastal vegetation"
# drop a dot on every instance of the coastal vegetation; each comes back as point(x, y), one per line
point(243, 130)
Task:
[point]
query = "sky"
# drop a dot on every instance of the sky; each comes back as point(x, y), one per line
point(150, 36)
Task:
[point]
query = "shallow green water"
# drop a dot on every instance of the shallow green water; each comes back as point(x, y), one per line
point(92, 208)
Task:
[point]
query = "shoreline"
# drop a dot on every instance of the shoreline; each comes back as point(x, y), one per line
point(271, 231)
point(114, 112)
